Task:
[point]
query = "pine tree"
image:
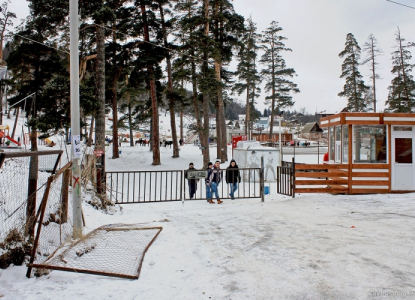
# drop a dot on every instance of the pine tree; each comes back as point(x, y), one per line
point(6, 20)
point(372, 52)
point(43, 64)
point(276, 72)
point(248, 75)
point(401, 96)
point(354, 88)
point(227, 27)
point(170, 95)
point(150, 59)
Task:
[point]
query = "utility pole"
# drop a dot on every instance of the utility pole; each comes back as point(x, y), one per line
point(75, 126)
point(279, 138)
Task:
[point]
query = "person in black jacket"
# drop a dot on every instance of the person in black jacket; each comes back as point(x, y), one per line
point(233, 178)
point(191, 182)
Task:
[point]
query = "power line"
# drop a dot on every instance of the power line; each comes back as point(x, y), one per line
point(23, 37)
point(162, 47)
point(22, 100)
point(400, 4)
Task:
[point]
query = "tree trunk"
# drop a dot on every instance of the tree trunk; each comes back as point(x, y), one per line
point(220, 121)
point(196, 106)
point(130, 121)
point(373, 75)
point(114, 98)
point(247, 113)
point(154, 105)
point(206, 112)
point(65, 195)
point(1, 106)
point(409, 109)
point(100, 112)
point(181, 122)
point(170, 87)
point(218, 132)
point(32, 186)
point(115, 150)
point(91, 130)
point(273, 94)
point(15, 122)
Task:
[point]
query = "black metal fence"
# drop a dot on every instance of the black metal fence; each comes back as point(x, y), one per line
point(145, 186)
point(162, 186)
point(251, 186)
point(286, 178)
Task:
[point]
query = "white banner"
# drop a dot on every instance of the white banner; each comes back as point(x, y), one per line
point(76, 145)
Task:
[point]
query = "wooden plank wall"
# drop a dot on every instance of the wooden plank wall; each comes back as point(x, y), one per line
point(342, 178)
point(370, 178)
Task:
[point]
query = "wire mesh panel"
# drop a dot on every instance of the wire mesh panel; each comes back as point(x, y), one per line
point(144, 186)
point(57, 225)
point(23, 178)
point(112, 250)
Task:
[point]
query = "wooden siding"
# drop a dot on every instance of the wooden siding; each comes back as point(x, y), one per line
point(342, 178)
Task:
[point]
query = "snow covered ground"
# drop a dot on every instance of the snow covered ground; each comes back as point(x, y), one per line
point(313, 246)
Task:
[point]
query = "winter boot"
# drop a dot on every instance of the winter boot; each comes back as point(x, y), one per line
point(219, 201)
point(210, 201)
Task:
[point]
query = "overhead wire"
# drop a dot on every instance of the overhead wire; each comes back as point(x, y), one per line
point(109, 28)
point(162, 47)
point(23, 37)
point(400, 4)
point(22, 100)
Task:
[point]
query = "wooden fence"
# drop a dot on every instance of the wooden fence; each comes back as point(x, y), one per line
point(342, 178)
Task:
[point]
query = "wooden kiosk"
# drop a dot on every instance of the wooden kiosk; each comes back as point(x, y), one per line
point(368, 153)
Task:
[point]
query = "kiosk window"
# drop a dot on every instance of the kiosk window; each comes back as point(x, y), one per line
point(369, 144)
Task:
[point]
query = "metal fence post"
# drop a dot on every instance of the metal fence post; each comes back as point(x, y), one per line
point(182, 186)
point(293, 178)
point(261, 178)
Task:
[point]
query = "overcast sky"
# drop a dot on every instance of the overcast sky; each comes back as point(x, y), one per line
point(316, 32)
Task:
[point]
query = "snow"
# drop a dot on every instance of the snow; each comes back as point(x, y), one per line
point(313, 246)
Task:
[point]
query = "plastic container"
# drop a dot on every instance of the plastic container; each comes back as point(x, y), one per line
point(266, 190)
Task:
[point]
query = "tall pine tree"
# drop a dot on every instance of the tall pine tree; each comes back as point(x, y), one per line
point(276, 72)
point(248, 75)
point(354, 89)
point(372, 51)
point(401, 96)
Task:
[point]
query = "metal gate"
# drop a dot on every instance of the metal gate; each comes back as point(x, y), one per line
point(163, 186)
point(286, 178)
point(251, 186)
point(145, 186)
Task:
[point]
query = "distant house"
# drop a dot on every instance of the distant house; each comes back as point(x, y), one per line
point(312, 131)
point(262, 123)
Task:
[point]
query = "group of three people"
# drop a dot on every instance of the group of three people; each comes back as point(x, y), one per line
point(214, 178)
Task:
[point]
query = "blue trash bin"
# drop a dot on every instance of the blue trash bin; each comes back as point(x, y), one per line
point(266, 190)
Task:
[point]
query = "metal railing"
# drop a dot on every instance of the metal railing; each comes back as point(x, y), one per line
point(145, 186)
point(251, 186)
point(162, 186)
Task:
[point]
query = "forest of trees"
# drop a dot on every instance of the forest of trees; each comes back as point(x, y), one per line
point(142, 55)
point(362, 97)
point(139, 56)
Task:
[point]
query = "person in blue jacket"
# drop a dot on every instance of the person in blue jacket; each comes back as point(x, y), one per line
point(213, 180)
